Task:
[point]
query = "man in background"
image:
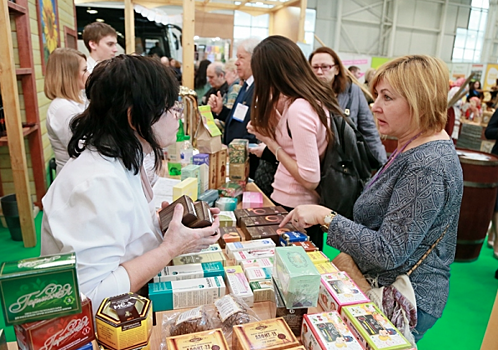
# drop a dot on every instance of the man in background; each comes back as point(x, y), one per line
point(216, 78)
point(100, 39)
point(237, 118)
point(356, 71)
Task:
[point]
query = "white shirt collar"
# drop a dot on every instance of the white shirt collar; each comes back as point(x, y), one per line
point(250, 81)
point(90, 64)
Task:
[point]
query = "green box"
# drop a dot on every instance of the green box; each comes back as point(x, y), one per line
point(39, 288)
point(296, 277)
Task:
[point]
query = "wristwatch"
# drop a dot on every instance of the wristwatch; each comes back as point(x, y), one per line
point(327, 220)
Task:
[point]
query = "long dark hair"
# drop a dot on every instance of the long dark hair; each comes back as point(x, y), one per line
point(127, 94)
point(201, 75)
point(341, 80)
point(279, 67)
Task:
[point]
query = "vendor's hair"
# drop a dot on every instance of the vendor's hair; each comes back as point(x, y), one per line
point(423, 81)
point(62, 75)
point(286, 74)
point(341, 80)
point(127, 94)
point(95, 32)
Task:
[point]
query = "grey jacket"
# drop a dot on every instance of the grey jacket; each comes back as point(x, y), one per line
point(361, 115)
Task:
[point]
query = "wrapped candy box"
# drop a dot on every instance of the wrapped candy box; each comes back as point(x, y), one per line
point(296, 277)
point(337, 289)
point(238, 151)
point(252, 200)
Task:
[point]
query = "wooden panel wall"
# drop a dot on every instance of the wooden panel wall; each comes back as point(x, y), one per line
point(66, 18)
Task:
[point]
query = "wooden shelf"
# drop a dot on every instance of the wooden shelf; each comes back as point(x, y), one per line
point(24, 71)
point(25, 132)
point(16, 9)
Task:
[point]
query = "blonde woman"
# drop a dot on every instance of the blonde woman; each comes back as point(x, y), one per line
point(65, 79)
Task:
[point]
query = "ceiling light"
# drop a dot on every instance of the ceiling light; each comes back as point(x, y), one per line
point(99, 20)
point(92, 12)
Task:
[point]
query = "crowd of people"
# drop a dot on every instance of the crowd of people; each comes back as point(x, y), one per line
point(104, 126)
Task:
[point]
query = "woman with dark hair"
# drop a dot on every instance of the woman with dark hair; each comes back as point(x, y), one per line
point(290, 114)
point(100, 204)
point(201, 85)
point(328, 67)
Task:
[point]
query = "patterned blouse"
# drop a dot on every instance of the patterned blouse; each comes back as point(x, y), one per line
point(399, 217)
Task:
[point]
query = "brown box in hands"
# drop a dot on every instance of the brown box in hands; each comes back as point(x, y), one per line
point(204, 216)
point(189, 213)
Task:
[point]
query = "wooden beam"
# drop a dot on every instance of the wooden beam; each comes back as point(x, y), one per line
point(206, 1)
point(302, 21)
point(129, 26)
point(242, 4)
point(284, 4)
point(10, 97)
point(188, 31)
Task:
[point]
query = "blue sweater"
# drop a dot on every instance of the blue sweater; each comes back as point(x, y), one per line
point(401, 215)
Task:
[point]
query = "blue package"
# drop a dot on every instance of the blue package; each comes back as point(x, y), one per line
point(292, 237)
point(210, 197)
point(88, 346)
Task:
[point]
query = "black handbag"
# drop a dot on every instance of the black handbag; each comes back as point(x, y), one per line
point(346, 167)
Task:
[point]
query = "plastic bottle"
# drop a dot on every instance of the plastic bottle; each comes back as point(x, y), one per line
point(187, 152)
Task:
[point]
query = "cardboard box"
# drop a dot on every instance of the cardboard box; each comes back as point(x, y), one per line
point(263, 290)
point(190, 271)
point(226, 203)
point(227, 218)
point(290, 237)
point(213, 248)
point(293, 317)
point(253, 254)
point(238, 151)
point(259, 274)
point(200, 159)
point(62, 333)
point(187, 293)
point(248, 245)
point(228, 234)
point(252, 200)
point(296, 277)
point(187, 187)
point(338, 290)
point(124, 322)
point(39, 288)
point(199, 258)
point(239, 172)
point(210, 197)
point(261, 220)
point(213, 170)
point(212, 339)
point(308, 246)
point(318, 257)
point(256, 263)
point(272, 231)
point(222, 166)
point(372, 328)
point(193, 171)
point(327, 331)
point(238, 284)
point(327, 267)
point(251, 212)
point(189, 213)
point(269, 334)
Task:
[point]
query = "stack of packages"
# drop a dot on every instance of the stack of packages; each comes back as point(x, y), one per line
point(41, 299)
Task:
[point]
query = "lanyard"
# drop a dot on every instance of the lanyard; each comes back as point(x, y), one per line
point(391, 160)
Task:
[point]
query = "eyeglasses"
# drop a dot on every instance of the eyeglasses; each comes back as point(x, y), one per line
point(176, 110)
point(324, 67)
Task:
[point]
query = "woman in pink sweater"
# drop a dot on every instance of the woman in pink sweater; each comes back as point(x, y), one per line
point(290, 114)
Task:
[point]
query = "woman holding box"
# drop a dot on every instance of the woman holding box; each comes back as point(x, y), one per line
point(414, 199)
point(290, 114)
point(100, 205)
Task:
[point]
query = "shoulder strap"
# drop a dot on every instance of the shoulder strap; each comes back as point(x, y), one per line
point(427, 252)
point(347, 110)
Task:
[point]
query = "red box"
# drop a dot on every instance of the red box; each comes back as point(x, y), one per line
point(62, 333)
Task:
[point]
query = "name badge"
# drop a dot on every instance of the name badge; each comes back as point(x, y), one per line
point(240, 112)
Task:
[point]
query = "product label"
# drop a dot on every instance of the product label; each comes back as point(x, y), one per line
point(74, 327)
point(189, 315)
point(227, 307)
point(265, 334)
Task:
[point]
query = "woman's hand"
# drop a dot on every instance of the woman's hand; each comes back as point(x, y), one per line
point(258, 150)
point(265, 139)
point(304, 216)
point(216, 103)
point(179, 239)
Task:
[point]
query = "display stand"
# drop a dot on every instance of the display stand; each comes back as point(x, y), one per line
point(9, 78)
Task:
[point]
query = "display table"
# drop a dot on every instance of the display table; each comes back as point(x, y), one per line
point(264, 310)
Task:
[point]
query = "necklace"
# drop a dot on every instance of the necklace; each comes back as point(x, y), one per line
point(391, 159)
